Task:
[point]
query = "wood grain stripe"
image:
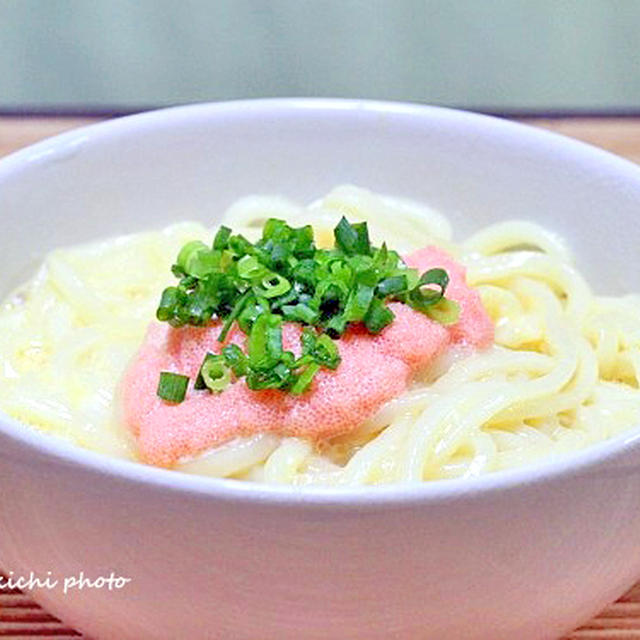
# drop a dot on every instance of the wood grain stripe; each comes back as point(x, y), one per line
point(602, 634)
point(47, 629)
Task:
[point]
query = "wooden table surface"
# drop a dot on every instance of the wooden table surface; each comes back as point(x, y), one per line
point(21, 618)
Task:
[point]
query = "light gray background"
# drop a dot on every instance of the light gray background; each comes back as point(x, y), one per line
point(497, 54)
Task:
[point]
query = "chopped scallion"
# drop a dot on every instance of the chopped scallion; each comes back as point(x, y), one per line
point(172, 387)
point(274, 285)
point(222, 238)
point(305, 379)
point(188, 254)
point(445, 311)
point(378, 316)
point(282, 278)
point(214, 373)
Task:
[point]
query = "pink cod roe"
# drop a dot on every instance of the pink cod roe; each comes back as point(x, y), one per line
point(374, 369)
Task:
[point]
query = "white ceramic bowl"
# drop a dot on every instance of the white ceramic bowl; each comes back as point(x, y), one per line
point(527, 554)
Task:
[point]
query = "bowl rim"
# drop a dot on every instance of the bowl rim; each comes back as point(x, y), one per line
point(55, 449)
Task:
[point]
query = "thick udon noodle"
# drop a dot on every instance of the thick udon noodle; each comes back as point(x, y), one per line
point(564, 372)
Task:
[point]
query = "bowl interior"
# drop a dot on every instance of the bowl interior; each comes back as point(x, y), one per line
point(191, 162)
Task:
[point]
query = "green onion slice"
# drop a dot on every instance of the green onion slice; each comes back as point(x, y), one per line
point(274, 285)
point(231, 318)
point(438, 277)
point(188, 254)
point(221, 240)
point(250, 269)
point(172, 387)
point(235, 359)
point(378, 316)
point(305, 379)
point(445, 311)
point(214, 374)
